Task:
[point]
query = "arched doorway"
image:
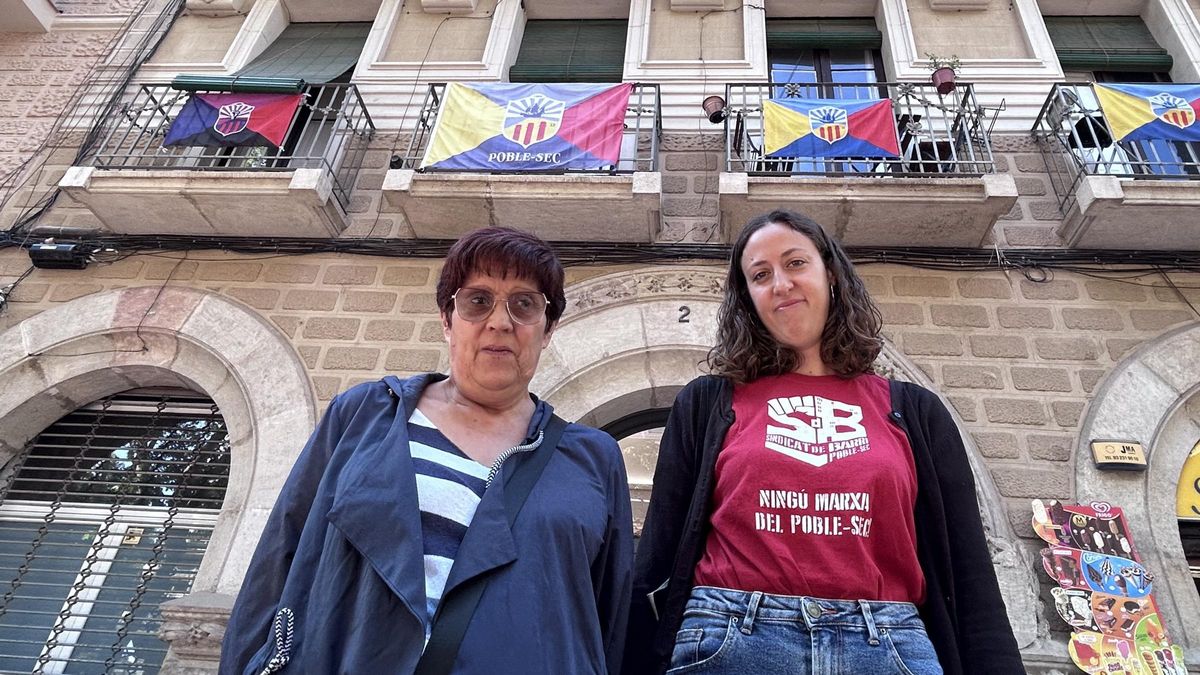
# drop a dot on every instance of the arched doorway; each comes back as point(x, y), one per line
point(639, 434)
point(105, 515)
point(1187, 510)
point(1152, 397)
point(85, 350)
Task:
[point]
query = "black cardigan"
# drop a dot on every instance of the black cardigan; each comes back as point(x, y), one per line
point(963, 611)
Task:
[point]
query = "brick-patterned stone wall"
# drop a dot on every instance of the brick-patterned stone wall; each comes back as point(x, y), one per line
point(1018, 359)
point(350, 318)
point(39, 73)
point(1034, 219)
point(691, 164)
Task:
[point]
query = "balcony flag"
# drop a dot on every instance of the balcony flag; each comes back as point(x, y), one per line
point(1144, 112)
point(528, 127)
point(824, 127)
point(233, 120)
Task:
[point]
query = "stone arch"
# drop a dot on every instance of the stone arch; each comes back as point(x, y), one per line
point(620, 347)
point(75, 353)
point(1152, 397)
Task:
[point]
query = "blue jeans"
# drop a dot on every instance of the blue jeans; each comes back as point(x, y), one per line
point(737, 632)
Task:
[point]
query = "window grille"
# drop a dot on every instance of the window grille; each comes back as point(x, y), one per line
point(104, 516)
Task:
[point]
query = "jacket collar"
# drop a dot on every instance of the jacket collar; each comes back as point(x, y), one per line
point(376, 508)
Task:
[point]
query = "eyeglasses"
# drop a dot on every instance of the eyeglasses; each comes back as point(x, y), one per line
point(477, 304)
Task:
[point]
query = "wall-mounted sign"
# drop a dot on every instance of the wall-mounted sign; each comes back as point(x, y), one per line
point(1103, 591)
point(1187, 495)
point(1126, 455)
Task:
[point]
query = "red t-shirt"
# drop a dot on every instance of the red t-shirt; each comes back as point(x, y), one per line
point(814, 494)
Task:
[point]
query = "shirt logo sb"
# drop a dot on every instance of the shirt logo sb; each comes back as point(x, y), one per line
point(815, 430)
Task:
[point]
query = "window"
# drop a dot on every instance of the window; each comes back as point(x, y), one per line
point(323, 55)
point(824, 58)
point(1106, 43)
point(104, 516)
point(590, 50)
point(806, 52)
point(1117, 49)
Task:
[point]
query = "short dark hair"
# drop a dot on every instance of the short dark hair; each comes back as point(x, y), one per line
point(745, 350)
point(503, 252)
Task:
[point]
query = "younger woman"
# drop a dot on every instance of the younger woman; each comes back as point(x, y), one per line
point(809, 516)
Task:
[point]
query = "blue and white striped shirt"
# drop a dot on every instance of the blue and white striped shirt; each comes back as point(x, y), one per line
point(449, 488)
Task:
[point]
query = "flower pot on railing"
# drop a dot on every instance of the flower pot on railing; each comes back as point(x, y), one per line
point(945, 72)
point(714, 109)
point(944, 79)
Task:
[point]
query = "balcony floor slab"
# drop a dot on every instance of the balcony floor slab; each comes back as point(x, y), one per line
point(876, 211)
point(570, 207)
point(1115, 213)
point(295, 203)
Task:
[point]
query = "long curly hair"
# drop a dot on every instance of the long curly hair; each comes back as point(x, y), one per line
point(745, 350)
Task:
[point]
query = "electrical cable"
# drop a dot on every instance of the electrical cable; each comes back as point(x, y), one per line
point(6, 291)
point(1036, 265)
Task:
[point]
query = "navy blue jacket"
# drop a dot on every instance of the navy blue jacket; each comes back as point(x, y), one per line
point(340, 560)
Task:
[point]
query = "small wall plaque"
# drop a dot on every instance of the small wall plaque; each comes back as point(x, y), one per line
point(1123, 455)
point(133, 536)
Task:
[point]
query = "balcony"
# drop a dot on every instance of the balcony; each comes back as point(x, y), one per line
point(134, 184)
point(1116, 195)
point(942, 189)
point(619, 202)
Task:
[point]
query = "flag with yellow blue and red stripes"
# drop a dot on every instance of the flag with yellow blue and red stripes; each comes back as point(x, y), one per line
point(1144, 112)
point(528, 127)
point(819, 127)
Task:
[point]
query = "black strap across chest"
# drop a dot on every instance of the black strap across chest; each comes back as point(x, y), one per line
point(456, 609)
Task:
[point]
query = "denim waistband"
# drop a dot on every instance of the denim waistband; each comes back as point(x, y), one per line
point(754, 606)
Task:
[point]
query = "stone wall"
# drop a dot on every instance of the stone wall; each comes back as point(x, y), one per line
point(39, 73)
point(1019, 359)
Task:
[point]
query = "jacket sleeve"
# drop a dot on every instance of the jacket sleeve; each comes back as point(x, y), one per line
point(675, 476)
point(248, 642)
point(985, 639)
point(612, 569)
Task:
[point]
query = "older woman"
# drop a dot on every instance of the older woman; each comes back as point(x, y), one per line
point(807, 515)
point(436, 523)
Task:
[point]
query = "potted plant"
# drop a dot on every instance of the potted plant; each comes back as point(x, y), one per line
point(945, 72)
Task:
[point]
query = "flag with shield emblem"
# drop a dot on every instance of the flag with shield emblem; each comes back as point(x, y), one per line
point(1147, 112)
point(233, 120)
point(528, 127)
point(819, 127)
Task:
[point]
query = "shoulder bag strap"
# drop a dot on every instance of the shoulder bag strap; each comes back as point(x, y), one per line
point(456, 610)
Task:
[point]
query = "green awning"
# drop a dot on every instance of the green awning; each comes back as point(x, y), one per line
point(313, 52)
point(1115, 43)
point(823, 34)
point(571, 51)
point(221, 83)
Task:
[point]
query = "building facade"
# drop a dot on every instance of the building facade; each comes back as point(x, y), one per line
point(1037, 273)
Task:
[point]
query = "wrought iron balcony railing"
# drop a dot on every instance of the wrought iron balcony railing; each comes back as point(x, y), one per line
point(330, 130)
point(942, 136)
point(639, 142)
point(1076, 141)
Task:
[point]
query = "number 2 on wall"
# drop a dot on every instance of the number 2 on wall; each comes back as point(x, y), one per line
point(684, 313)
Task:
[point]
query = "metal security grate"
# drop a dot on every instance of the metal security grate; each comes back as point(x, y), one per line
point(104, 516)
